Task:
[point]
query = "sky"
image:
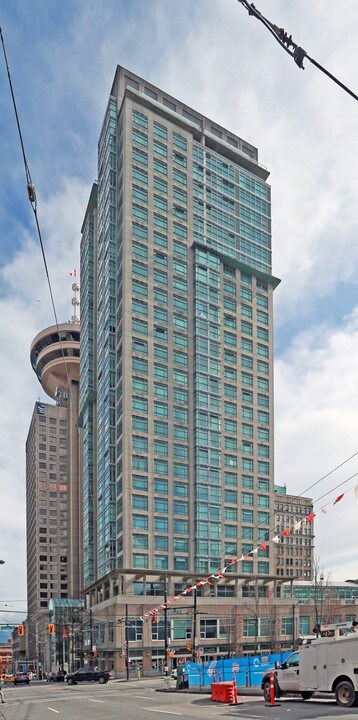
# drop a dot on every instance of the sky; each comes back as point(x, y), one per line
point(214, 57)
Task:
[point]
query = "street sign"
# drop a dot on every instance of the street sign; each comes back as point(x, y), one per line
point(8, 627)
point(211, 669)
point(235, 667)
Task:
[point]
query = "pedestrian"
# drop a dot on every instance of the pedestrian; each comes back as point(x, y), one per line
point(1, 690)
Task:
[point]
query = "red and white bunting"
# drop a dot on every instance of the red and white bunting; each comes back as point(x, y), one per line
point(220, 574)
point(337, 500)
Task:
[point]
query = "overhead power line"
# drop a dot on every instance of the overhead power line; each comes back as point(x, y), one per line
point(286, 42)
point(31, 191)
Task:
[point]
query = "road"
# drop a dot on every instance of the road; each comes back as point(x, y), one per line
point(139, 700)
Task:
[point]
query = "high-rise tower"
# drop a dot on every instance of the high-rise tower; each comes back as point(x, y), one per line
point(177, 352)
point(53, 466)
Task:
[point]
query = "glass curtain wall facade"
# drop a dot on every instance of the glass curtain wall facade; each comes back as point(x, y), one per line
point(88, 384)
point(184, 380)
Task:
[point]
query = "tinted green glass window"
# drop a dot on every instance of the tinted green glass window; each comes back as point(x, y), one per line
point(160, 295)
point(139, 156)
point(139, 404)
point(140, 119)
point(160, 428)
point(139, 307)
point(160, 390)
point(179, 141)
point(160, 130)
point(160, 409)
point(139, 365)
point(159, 148)
point(139, 502)
point(140, 288)
point(160, 203)
point(139, 424)
point(140, 522)
point(160, 185)
point(179, 176)
point(139, 250)
point(139, 137)
point(139, 174)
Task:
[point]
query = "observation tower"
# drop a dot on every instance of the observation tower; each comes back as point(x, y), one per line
point(54, 467)
point(55, 356)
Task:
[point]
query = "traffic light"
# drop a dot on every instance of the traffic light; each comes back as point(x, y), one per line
point(188, 646)
point(20, 630)
point(51, 629)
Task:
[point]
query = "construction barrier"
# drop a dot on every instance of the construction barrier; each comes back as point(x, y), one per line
point(224, 692)
point(247, 671)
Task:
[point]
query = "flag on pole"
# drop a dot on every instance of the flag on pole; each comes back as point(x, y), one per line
point(73, 273)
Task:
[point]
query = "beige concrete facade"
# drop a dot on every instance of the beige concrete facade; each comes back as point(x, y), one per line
point(295, 553)
point(258, 616)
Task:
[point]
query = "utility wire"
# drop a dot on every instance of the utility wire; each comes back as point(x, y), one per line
point(285, 41)
point(304, 492)
point(336, 487)
point(31, 191)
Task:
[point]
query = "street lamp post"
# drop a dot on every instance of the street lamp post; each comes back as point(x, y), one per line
point(293, 624)
point(126, 641)
point(165, 622)
point(195, 614)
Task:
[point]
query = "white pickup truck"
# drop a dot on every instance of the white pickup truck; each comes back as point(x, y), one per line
point(327, 665)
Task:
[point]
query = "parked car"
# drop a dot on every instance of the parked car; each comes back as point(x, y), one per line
point(21, 677)
point(87, 674)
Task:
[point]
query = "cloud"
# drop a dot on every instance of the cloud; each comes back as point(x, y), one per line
point(23, 282)
point(316, 417)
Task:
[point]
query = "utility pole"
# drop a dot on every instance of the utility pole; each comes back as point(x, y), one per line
point(126, 634)
point(91, 634)
point(165, 623)
point(293, 624)
point(195, 613)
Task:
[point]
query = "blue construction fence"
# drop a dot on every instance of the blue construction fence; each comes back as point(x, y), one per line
point(247, 671)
